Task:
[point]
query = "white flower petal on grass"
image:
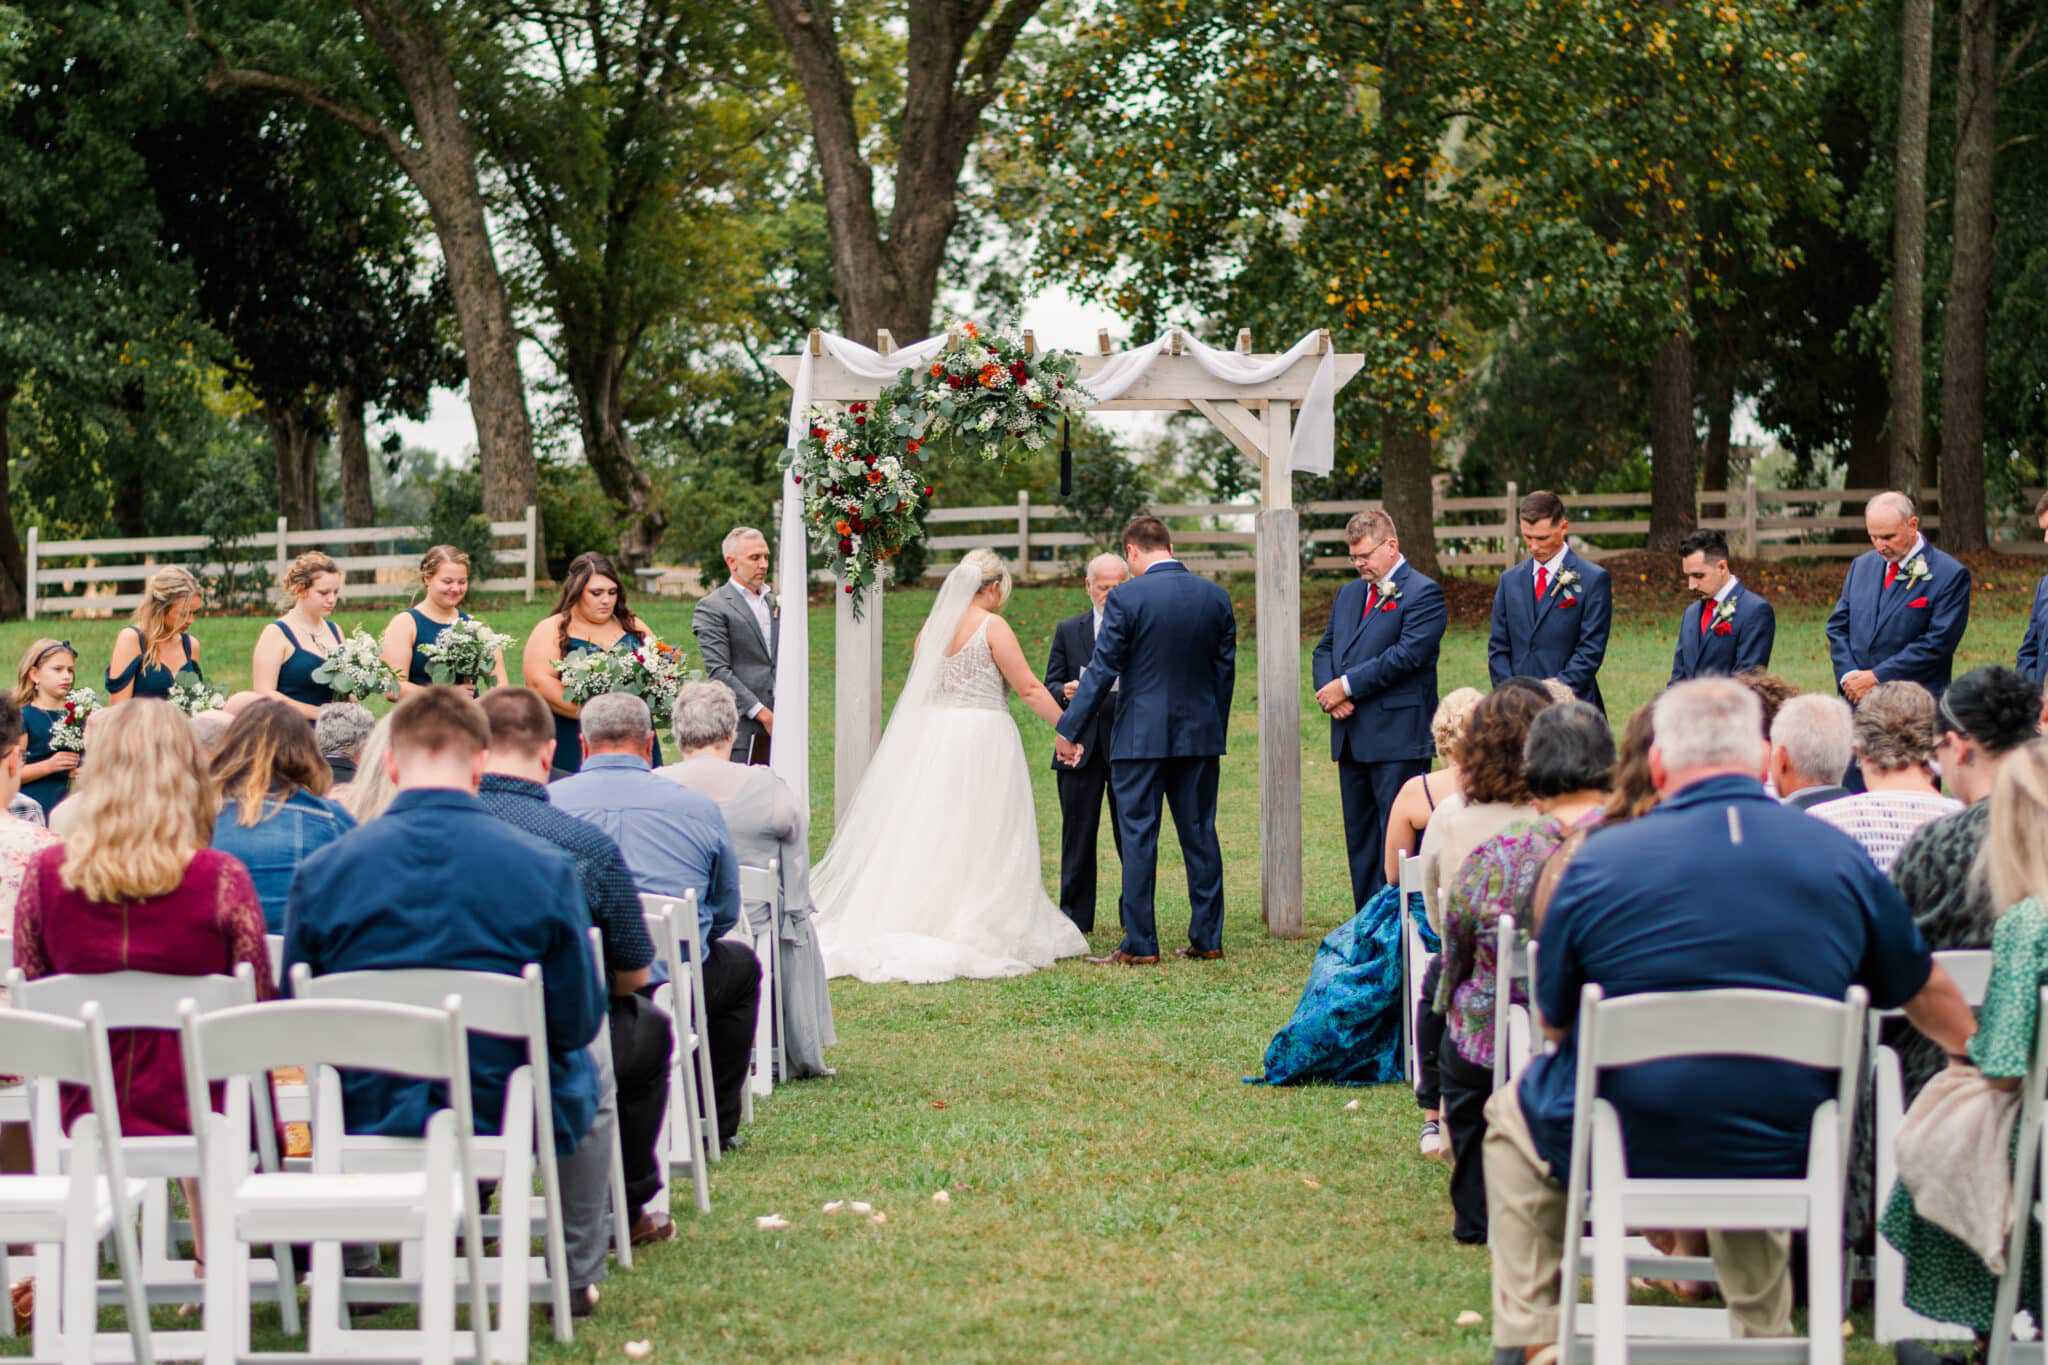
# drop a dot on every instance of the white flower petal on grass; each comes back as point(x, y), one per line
point(835, 1206)
point(1311, 1182)
point(771, 1222)
point(861, 1206)
point(1468, 1318)
point(942, 1199)
point(880, 1218)
point(639, 1350)
point(1351, 1106)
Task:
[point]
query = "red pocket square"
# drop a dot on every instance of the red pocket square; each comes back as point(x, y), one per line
point(1917, 602)
point(1567, 601)
point(1388, 606)
point(1724, 628)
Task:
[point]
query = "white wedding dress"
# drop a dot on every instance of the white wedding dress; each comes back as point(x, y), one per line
point(934, 872)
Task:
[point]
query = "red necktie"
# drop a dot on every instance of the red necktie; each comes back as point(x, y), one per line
point(1706, 616)
point(1891, 571)
point(1372, 600)
point(1542, 582)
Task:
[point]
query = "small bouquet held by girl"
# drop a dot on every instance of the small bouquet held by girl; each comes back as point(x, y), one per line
point(67, 733)
point(654, 674)
point(356, 668)
point(194, 696)
point(466, 654)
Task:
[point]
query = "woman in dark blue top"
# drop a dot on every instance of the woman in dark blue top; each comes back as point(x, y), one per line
point(153, 649)
point(48, 670)
point(292, 648)
point(591, 613)
point(444, 576)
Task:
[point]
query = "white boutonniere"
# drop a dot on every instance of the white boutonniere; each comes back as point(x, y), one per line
point(1388, 589)
point(1566, 580)
point(1915, 570)
point(1724, 611)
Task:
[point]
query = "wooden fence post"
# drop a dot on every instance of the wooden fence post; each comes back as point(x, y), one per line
point(532, 548)
point(1750, 548)
point(28, 589)
point(1510, 522)
point(1023, 533)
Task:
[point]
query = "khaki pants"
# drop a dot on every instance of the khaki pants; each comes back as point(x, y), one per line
point(1525, 1211)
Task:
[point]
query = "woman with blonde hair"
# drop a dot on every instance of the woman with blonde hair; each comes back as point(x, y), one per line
point(1419, 795)
point(291, 649)
point(444, 583)
point(590, 613)
point(49, 668)
point(371, 790)
point(934, 869)
point(274, 808)
point(154, 648)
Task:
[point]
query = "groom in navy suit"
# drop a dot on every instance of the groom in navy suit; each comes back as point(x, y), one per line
point(1375, 676)
point(1551, 611)
point(1170, 640)
point(1731, 629)
point(2033, 659)
point(1903, 608)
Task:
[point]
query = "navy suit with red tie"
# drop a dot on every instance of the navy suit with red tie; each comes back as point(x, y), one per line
point(1711, 643)
point(1558, 632)
point(1905, 630)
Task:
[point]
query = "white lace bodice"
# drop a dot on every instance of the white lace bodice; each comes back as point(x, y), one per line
point(969, 677)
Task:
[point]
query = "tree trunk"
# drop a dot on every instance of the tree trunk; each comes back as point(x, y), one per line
point(294, 442)
point(1674, 444)
point(13, 565)
point(1406, 487)
point(1720, 400)
point(353, 447)
point(1966, 318)
point(598, 381)
point(1909, 245)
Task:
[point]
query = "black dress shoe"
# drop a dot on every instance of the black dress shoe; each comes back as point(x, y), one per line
point(1120, 958)
point(1201, 954)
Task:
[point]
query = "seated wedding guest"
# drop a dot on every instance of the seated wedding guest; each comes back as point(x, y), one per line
point(1812, 740)
point(210, 729)
point(20, 842)
point(292, 648)
point(432, 887)
point(1794, 907)
point(675, 841)
point(590, 613)
point(1346, 1028)
point(154, 649)
point(1946, 1275)
point(766, 822)
point(49, 669)
point(274, 810)
point(515, 790)
point(338, 732)
point(1569, 761)
point(444, 582)
point(1895, 748)
point(1770, 690)
point(370, 792)
point(1634, 795)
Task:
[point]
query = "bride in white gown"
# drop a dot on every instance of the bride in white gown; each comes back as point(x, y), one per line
point(933, 872)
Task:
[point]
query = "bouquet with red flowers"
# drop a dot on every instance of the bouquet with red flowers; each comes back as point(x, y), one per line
point(68, 732)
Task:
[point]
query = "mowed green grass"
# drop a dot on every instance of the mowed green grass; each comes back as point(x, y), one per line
point(1116, 1190)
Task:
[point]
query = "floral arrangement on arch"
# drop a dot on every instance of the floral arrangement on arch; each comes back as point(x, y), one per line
point(985, 395)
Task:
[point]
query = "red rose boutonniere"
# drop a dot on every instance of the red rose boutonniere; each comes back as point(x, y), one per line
point(1566, 581)
point(1724, 617)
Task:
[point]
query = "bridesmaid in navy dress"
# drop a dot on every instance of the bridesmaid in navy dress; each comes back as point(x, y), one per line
point(48, 670)
point(444, 582)
point(591, 613)
point(153, 649)
point(293, 647)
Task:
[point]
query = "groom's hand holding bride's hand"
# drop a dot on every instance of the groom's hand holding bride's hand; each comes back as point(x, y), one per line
point(1066, 750)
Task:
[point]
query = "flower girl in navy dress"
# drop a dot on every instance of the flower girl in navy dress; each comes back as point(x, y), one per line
point(591, 613)
point(292, 648)
point(48, 670)
point(444, 582)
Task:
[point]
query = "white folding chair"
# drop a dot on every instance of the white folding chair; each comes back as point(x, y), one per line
point(761, 893)
point(1414, 966)
point(622, 1226)
point(496, 1006)
point(690, 1129)
point(2029, 1179)
point(1766, 1025)
point(274, 944)
point(428, 1204)
point(1512, 1029)
point(1891, 1319)
point(148, 1000)
point(73, 1212)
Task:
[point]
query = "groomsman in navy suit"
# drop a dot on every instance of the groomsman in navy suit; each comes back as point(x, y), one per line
point(2033, 660)
point(1375, 675)
point(1903, 609)
point(1732, 629)
point(1551, 612)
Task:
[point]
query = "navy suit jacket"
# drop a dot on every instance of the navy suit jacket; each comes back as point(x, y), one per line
point(1073, 644)
point(1171, 637)
point(1390, 659)
point(1705, 653)
point(1564, 636)
point(1884, 631)
point(2033, 659)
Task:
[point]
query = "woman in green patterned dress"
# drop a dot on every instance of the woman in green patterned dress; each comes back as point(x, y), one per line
point(1945, 1280)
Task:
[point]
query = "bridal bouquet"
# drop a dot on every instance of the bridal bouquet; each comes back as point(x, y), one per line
point(986, 395)
point(192, 694)
point(356, 669)
point(653, 673)
point(466, 652)
point(67, 734)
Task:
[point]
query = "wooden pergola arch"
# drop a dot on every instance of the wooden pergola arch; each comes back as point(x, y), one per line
point(1256, 419)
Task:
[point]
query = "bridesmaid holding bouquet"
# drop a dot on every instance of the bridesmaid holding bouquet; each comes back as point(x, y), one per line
point(292, 648)
point(444, 581)
point(591, 613)
point(153, 650)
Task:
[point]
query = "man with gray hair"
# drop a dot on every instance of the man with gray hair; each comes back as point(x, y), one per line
point(1812, 741)
point(1903, 608)
point(675, 841)
point(738, 631)
point(1794, 906)
point(1084, 786)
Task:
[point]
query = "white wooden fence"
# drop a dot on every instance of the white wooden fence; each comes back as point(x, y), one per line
point(1761, 523)
point(78, 583)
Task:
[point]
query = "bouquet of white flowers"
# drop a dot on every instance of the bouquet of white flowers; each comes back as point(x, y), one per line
point(653, 673)
point(192, 694)
point(68, 733)
point(356, 668)
point(466, 652)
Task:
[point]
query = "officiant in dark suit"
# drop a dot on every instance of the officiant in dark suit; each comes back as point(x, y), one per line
point(1375, 677)
point(738, 631)
point(1551, 611)
point(1731, 630)
point(1084, 787)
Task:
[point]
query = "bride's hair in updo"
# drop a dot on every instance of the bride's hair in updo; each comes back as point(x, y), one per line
point(992, 569)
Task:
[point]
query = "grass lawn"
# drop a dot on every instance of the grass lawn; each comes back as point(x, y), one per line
point(1116, 1190)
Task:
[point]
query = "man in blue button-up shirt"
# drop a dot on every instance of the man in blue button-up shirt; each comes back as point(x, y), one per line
point(675, 841)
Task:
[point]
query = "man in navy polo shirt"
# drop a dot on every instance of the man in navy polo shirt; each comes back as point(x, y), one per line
point(1719, 887)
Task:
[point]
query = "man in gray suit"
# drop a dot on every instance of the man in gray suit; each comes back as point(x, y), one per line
point(737, 632)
